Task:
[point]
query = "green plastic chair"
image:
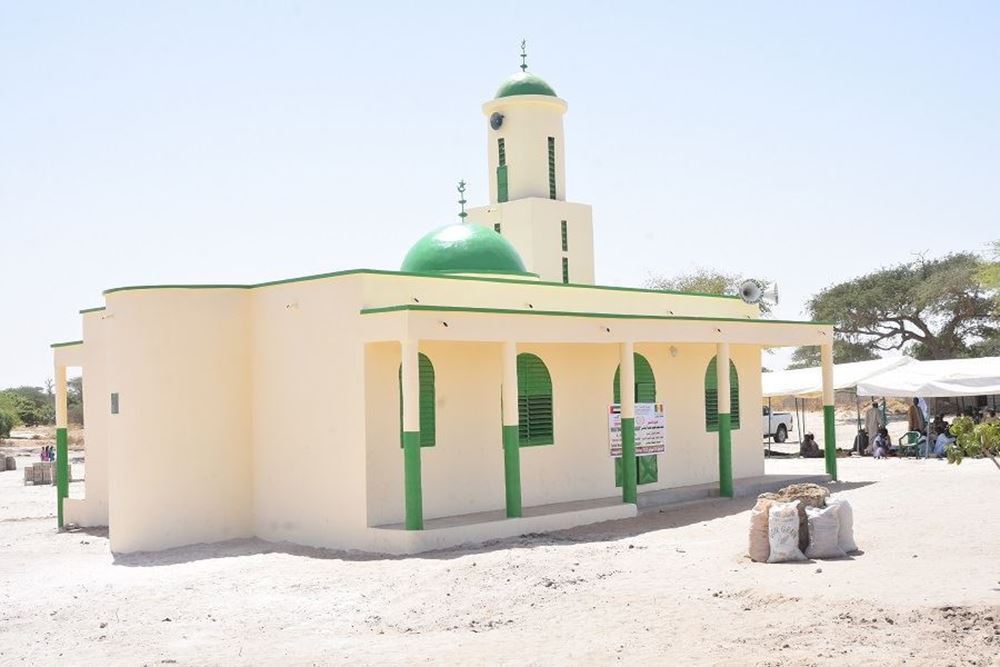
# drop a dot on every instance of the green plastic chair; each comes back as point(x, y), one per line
point(909, 443)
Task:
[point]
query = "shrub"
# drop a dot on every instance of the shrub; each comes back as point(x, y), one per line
point(972, 439)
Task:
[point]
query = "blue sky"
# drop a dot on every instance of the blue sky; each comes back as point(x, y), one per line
point(231, 142)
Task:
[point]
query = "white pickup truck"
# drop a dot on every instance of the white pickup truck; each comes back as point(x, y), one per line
point(777, 424)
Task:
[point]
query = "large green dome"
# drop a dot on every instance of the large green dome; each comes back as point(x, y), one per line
point(463, 248)
point(524, 83)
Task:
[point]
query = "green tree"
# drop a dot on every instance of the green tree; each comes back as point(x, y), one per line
point(32, 404)
point(706, 281)
point(8, 415)
point(931, 309)
point(844, 352)
point(975, 440)
point(989, 274)
point(74, 400)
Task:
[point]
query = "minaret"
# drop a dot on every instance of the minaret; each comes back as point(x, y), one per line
point(527, 175)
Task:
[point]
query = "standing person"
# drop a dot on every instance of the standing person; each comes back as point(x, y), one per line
point(915, 417)
point(873, 419)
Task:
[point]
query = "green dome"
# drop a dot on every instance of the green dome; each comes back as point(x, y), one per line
point(524, 83)
point(463, 248)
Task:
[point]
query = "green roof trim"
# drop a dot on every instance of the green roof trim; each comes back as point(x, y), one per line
point(524, 83)
point(440, 276)
point(572, 313)
point(92, 310)
point(68, 343)
point(463, 248)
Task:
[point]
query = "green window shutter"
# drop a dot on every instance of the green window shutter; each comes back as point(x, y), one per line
point(711, 396)
point(565, 237)
point(646, 468)
point(565, 262)
point(552, 167)
point(502, 183)
point(501, 153)
point(534, 401)
point(428, 419)
point(734, 396)
point(645, 381)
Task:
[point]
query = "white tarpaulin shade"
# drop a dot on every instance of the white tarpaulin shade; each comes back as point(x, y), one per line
point(947, 377)
point(809, 381)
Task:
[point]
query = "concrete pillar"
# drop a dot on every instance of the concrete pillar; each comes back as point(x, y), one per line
point(511, 441)
point(829, 423)
point(725, 420)
point(62, 444)
point(627, 380)
point(411, 435)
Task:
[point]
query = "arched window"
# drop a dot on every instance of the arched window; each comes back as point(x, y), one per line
point(712, 398)
point(427, 398)
point(534, 401)
point(645, 392)
point(645, 382)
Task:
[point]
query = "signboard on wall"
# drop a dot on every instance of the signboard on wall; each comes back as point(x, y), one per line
point(650, 429)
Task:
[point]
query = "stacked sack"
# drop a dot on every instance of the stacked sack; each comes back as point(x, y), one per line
point(799, 519)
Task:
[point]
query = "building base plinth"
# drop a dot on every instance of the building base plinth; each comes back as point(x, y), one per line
point(452, 531)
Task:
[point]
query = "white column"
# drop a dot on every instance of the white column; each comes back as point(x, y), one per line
point(509, 388)
point(61, 404)
point(722, 377)
point(627, 379)
point(826, 353)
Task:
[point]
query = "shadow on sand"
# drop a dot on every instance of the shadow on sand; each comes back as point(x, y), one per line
point(650, 519)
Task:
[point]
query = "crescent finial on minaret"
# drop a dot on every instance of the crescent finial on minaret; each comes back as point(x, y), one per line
point(524, 55)
point(461, 199)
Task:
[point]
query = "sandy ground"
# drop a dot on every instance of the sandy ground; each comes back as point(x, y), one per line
point(670, 586)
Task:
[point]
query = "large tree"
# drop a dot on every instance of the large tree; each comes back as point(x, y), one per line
point(706, 281)
point(931, 309)
point(844, 352)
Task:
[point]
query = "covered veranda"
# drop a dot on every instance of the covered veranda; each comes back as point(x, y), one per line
point(413, 326)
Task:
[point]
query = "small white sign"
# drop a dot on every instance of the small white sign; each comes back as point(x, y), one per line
point(650, 429)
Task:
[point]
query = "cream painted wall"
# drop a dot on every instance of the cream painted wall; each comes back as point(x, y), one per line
point(463, 472)
point(179, 466)
point(528, 122)
point(534, 227)
point(93, 511)
point(308, 426)
point(381, 290)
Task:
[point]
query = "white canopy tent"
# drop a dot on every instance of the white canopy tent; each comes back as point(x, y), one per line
point(927, 379)
point(807, 382)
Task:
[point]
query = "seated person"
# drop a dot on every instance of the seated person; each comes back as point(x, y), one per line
point(808, 449)
point(881, 443)
point(941, 443)
point(861, 442)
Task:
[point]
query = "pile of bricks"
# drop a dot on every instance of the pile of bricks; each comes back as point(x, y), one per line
point(7, 463)
point(43, 472)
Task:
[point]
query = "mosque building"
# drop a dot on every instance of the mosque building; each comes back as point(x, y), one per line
point(486, 389)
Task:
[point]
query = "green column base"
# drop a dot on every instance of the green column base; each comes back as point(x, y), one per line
point(411, 481)
point(830, 441)
point(512, 470)
point(62, 473)
point(629, 481)
point(725, 455)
